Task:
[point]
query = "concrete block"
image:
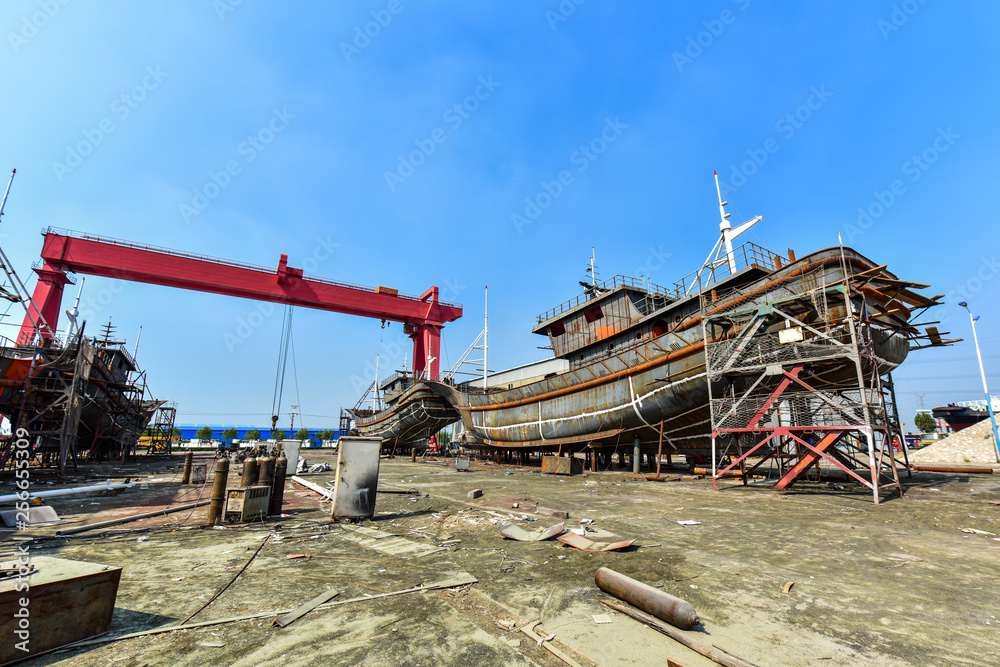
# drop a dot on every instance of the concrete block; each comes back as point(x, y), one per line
point(475, 493)
point(545, 511)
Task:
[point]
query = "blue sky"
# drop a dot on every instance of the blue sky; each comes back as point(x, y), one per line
point(404, 143)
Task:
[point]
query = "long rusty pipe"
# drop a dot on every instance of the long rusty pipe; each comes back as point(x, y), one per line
point(133, 517)
point(662, 605)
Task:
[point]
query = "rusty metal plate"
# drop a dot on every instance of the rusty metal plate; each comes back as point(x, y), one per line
point(561, 465)
point(68, 601)
point(584, 544)
point(515, 532)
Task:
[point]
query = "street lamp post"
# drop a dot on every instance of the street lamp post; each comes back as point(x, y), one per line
point(989, 401)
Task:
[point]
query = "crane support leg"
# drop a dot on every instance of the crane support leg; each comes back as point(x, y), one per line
point(46, 298)
point(427, 347)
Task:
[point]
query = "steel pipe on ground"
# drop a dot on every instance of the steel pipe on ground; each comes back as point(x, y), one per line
point(54, 493)
point(326, 493)
point(662, 605)
point(133, 517)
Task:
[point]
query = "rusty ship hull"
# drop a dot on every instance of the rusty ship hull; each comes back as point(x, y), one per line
point(414, 414)
point(637, 358)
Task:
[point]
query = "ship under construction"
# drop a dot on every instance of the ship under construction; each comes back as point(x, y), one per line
point(754, 358)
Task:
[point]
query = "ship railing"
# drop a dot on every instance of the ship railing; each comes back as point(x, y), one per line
point(601, 288)
point(218, 260)
point(392, 378)
point(746, 255)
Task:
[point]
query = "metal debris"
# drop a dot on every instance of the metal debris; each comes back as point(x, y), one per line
point(515, 532)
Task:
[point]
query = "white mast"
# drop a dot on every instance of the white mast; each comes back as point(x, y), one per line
point(728, 233)
point(375, 396)
point(486, 333)
point(137, 337)
point(74, 312)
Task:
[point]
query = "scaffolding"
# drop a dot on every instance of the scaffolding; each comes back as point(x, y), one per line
point(161, 429)
point(800, 387)
point(77, 401)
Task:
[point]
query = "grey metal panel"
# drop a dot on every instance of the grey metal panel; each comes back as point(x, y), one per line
point(357, 477)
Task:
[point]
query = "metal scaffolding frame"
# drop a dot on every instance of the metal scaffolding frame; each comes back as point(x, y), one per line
point(796, 383)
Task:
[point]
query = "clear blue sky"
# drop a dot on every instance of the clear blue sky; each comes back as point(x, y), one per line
point(116, 115)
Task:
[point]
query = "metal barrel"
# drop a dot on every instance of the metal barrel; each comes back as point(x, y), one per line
point(662, 605)
point(265, 471)
point(218, 491)
point(278, 489)
point(188, 458)
point(249, 471)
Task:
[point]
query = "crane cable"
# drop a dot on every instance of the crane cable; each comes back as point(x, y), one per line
point(279, 377)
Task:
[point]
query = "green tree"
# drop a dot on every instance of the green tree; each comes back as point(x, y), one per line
point(230, 433)
point(444, 437)
point(253, 434)
point(176, 432)
point(204, 434)
point(302, 434)
point(925, 422)
point(278, 434)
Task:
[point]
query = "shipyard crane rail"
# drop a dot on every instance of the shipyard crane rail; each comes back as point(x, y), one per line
point(65, 251)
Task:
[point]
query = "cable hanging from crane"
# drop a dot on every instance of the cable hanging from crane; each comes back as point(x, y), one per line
point(279, 377)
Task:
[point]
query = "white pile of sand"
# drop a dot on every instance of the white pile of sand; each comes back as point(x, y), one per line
point(970, 445)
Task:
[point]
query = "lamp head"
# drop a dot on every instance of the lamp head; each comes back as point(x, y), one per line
point(963, 304)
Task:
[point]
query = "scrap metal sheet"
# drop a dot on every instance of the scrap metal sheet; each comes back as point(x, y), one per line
point(583, 544)
point(515, 532)
point(387, 543)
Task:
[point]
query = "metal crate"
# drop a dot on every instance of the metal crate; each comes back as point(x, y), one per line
point(247, 503)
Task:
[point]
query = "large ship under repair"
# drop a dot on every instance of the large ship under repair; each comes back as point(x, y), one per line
point(634, 363)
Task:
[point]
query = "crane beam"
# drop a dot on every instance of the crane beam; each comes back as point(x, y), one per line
point(64, 251)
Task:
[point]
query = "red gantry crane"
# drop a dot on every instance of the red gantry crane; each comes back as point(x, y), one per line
point(65, 251)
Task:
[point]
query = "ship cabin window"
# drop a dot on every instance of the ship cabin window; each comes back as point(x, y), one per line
point(593, 313)
point(659, 328)
point(557, 329)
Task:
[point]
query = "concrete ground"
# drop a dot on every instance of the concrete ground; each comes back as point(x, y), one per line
point(894, 584)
